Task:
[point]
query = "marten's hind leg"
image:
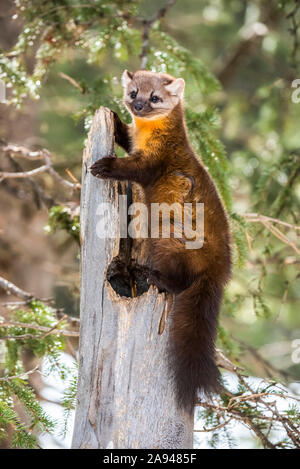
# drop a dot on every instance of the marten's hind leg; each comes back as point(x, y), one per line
point(171, 282)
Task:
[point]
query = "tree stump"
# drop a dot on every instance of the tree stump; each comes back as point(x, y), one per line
point(125, 394)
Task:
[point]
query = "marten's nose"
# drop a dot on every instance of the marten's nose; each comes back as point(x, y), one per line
point(138, 106)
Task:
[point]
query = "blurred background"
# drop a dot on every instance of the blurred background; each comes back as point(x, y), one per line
point(239, 59)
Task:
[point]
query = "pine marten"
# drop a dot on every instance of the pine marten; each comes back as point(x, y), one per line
point(163, 162)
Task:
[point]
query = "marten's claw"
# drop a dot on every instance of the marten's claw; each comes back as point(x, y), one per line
point(102, 168)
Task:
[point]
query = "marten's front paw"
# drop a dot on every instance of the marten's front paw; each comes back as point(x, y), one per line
point(102, 168)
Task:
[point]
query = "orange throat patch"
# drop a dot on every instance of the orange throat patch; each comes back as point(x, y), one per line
point(143, 130)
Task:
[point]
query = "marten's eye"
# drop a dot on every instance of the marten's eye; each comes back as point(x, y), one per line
point(154, 99)
point(133, 94)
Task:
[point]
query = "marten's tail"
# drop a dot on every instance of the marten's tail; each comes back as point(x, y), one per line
point(192, 341)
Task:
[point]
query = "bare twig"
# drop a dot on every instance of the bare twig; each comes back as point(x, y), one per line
point(46, 330)
point(39, 195)
point(292, 431)
point(257, 409)
point(21, 375)
point(71, 175)
point(295, 25)
point(254, 217)
point(225, 363)
point(23, 152)
point(256, 396)
point(54, 328)
point(24, 174)
point(12, 289)
point(213, 429)
point(269, 368)
point(251, 39)
point(72, 81)
point(270, 223)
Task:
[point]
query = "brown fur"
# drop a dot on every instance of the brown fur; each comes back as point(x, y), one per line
point(162, 161)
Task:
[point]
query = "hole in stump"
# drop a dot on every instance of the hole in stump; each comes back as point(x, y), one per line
point(128, 279)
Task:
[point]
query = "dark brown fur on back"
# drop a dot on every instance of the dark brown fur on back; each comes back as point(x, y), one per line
point(162, 161)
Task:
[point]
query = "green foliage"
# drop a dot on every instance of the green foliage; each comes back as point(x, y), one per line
point(13, 386)
point(211, 150)
point(168, 56)
point(62, 218)
point(54, 27)
point(69, 398)
point(8, 417)
point(22, 436)
point(37, 315)
point(276, 186)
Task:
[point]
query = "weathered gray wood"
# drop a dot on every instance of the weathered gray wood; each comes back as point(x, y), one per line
point(125, 397)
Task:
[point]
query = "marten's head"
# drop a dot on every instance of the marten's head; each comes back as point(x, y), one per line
point(150, 95)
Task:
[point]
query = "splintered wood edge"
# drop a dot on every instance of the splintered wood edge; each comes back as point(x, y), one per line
point(102, 114)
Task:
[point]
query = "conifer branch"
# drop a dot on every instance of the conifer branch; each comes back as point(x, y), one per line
point(147, 25)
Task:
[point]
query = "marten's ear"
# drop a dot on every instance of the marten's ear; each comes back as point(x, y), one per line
point(176, 88)
point(126, 78)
